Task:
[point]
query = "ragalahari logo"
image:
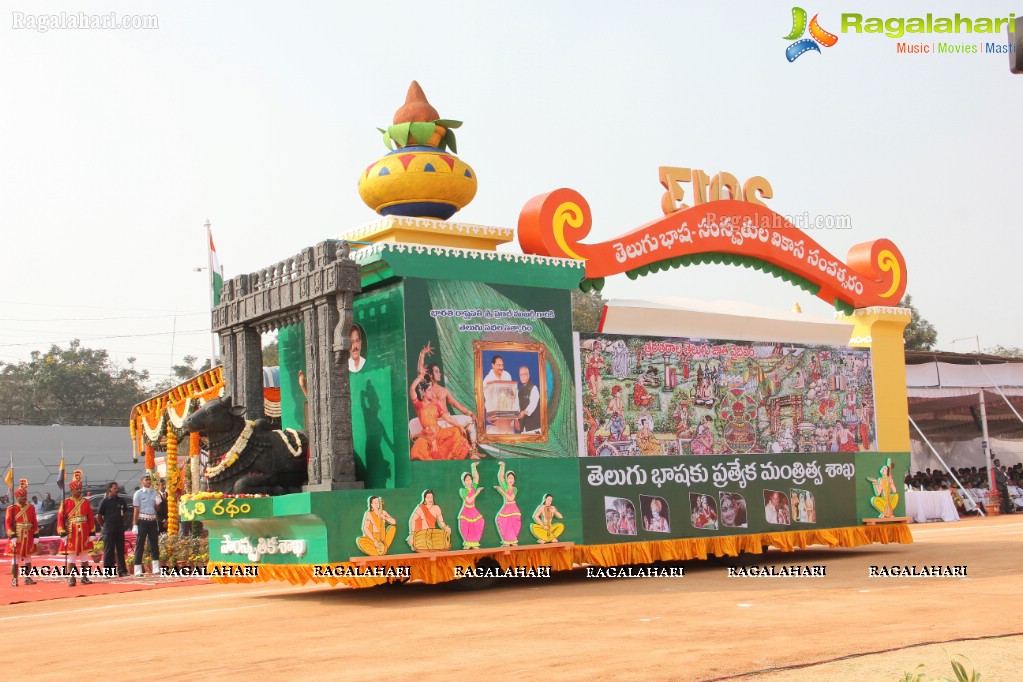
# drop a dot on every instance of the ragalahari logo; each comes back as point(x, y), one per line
point(817, 36)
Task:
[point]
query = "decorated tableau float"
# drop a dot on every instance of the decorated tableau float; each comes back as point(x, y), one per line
point(438, 413)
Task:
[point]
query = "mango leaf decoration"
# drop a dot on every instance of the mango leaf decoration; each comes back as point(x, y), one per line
point(399, 134)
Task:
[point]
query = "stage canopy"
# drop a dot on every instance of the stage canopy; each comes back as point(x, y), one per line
point(944, 395)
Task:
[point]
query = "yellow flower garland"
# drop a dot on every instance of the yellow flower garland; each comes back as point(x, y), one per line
point(172, 483)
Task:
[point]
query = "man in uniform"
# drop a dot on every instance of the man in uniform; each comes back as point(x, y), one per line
point(21, 526)
point(145, 524)
point(75, 520)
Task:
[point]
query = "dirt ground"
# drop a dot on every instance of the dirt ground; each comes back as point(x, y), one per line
point(704, 626)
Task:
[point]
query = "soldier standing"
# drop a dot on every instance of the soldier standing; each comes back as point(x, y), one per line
point(22, 527)
point(75, 520)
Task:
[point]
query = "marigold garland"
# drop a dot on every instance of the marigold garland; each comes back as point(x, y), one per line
point(194, 444)
point(172, 483)
point(150, 457)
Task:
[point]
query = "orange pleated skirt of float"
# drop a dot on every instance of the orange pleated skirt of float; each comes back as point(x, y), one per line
point(439, 567)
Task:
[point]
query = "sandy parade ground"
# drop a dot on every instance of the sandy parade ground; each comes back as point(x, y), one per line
point(706, 625)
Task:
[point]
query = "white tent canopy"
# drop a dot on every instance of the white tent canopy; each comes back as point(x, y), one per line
point(944, 391)
point(725, 320)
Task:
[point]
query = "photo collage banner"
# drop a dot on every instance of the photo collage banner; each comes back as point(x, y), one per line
point(676, 396)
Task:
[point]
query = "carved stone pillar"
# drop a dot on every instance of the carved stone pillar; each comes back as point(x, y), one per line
point(316, 287)
point(248, 388)
point(315, 420)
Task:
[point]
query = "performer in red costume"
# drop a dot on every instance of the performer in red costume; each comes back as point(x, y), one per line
point(21, 528)
point(76, 521)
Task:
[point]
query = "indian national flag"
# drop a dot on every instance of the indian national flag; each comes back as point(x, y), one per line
point(216, 270)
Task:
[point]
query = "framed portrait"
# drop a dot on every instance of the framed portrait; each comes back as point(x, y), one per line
point(511, 391)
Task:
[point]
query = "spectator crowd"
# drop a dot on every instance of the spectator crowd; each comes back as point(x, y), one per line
point(972, 497)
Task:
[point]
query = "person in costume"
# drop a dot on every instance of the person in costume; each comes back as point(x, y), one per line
point(75, 520)
point(703, 443)
point(703, 515)
point(470, 521)
point(21, 525)
point(645, 439)
point(594, 369)
point(655, 522)
point(845, 438)
point(640, 396)
point(590, 427)
point(628, 522)
point(682, 418)
point(784, 511)
point(816, 371)
point(378, 528)
point(885, 496)
point(543, 527)
point(509, 518)
point(445, 400)
point(439, 438)
point(864, 428)
point(613, 518)
point(427, 530)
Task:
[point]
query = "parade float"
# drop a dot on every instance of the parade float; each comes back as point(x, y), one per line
point(443, 415)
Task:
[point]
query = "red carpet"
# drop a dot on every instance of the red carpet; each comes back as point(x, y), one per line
point(55, 587)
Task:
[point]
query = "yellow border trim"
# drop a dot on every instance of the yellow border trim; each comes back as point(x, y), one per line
point(438, 568)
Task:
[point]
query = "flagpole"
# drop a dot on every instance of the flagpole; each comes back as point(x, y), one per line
point(209, 269)
point(63, 496)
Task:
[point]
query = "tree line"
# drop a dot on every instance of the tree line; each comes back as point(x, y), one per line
point(79, 386)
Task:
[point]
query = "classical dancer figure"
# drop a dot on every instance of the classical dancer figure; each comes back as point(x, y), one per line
point(445, 400)
point(543, 526)
point(378, 528)
point(509, 518)
point(470, 521)
point(439, 438)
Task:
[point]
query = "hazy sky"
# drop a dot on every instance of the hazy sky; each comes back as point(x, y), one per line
point(118, 145)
